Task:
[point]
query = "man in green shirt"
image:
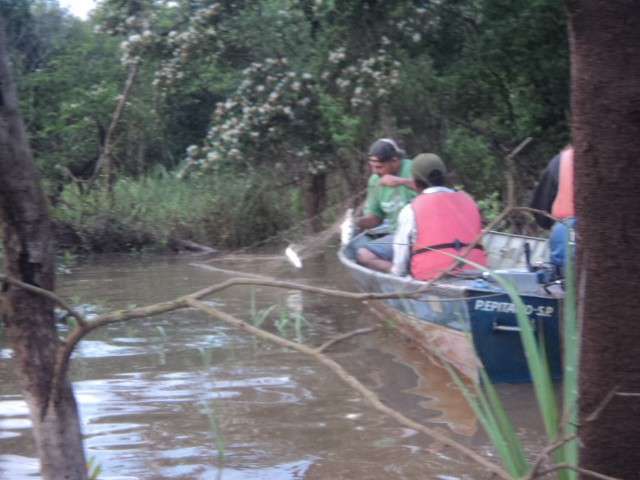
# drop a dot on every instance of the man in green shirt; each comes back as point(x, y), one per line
point(389, 189)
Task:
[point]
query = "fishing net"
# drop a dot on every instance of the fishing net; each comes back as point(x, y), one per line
point(286, 248)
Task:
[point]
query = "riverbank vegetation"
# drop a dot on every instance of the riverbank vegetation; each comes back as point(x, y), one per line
point(225, 122)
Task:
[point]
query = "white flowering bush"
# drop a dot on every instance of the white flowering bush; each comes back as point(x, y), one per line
point(199, 39)
point(132, 20)
point(271, 118)
point(274, 114)
point(365, 81)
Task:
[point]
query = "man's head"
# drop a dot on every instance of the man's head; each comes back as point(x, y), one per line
point(385, 158)
point(428, 170)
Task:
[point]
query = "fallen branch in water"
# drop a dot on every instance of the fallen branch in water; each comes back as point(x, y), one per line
point(188, 245)
point(350, 380)
point(85, 326)
point(343, 337)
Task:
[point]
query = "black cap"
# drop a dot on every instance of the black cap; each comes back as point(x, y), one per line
point(385, 149)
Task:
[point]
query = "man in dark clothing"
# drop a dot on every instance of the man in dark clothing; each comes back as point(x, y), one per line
point(546, 191)
point(554, 194)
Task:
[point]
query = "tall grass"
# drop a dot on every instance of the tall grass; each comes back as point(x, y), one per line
point(222, 211)
point(560, 430)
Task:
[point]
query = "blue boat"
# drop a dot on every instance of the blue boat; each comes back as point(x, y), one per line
point(470, 320)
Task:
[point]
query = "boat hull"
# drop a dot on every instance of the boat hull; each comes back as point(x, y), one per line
point(469, 322)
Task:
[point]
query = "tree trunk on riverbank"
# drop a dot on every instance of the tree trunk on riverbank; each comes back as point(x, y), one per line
point(28, 317)
point(605, 41)
point(315, 200)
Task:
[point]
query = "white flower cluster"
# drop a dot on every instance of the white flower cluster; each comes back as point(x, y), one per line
point(321, 6)
point(367, 80)
point(410, 27)
point(136, 29)
point(117, 21)
point(338, 55)
point(269, 101)
point(201, 33)
point(363, 81)
point(135, 45)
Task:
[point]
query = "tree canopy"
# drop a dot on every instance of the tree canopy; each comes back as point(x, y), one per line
point(292, 90)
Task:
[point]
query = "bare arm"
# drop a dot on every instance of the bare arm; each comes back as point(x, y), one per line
point(395, 181)
point(368, 221)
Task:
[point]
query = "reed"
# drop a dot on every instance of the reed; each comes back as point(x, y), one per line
point(150, 211)
point(560, 430)
point(94, 469)
point(207, 408)
point(286, 322)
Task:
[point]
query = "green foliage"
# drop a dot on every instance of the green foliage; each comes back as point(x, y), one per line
point(298, 88)
point(94, 469)
point(571, 335)
point(476, 166)
point(490, 207)
point(66, 110)
point(344, 128)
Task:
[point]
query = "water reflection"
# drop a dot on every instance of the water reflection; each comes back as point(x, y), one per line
point(181, 396)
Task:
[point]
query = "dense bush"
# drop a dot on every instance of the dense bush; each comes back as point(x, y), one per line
point(150, 212)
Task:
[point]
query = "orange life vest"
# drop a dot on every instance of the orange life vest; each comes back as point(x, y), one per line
point(448, 222)
point(563, 204)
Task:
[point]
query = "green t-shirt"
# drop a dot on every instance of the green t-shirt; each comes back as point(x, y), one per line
point(386, 202)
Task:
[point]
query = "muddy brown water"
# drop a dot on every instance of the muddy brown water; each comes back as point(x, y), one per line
point(181, 396)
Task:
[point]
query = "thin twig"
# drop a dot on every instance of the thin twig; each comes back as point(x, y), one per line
point(510, 173)
point(370, 396)
point(211, 268)
point(140, 312)
point(583, 471)
point(104, 160)
point(48, 294)
point(345, 336)
point(78, 333)
point(607, 399)
point(544, 455)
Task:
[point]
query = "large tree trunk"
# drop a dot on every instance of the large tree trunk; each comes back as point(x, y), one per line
point(29, 319)
point(605, 54)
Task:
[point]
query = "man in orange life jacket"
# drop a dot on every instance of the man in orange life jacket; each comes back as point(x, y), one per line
point(554, 194)
point(439, 220)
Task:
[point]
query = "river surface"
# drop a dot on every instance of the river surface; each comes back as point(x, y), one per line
point(182, 396)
